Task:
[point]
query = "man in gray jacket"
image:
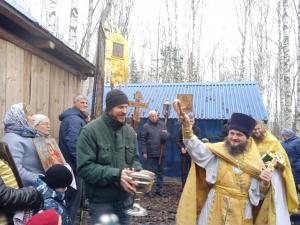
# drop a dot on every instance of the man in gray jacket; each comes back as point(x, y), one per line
point(153, 138)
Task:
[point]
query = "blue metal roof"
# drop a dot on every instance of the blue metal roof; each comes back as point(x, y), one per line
point(210, 100)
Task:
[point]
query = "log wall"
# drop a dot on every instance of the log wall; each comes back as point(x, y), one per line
point(25, 77)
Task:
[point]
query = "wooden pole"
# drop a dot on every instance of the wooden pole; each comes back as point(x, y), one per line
point(98, 89)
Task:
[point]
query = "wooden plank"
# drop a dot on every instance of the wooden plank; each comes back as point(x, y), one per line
point(26, 46)
point(26, 77)
point(77, 91)
point(2, 83)
point(56, 97)
point(19, 60)
point(68, 93)
point(62, 86)
point(32, 28)
point(51, 111)
point(71, 92)
point(34, 84)
point(14, 75)
point(61, 98)
point(40, 75)
point(43, 86)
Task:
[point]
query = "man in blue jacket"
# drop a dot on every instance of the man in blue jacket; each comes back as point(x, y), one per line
point(291, 143)
point(72, 120)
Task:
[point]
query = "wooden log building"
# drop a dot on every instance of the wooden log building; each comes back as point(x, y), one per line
point(35, 67)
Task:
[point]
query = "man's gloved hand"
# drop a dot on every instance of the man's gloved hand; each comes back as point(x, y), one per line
point(187, 129)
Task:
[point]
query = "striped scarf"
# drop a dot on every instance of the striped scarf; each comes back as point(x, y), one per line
point(9, 179)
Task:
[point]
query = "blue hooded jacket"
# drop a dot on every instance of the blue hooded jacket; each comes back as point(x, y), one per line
point(292, 148)
point(53, 199)
point(72, 120)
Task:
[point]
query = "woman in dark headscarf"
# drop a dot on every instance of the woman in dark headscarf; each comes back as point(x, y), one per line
point(19, 138)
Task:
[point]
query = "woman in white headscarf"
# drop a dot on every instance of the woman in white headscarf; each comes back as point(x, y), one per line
point(19, 138)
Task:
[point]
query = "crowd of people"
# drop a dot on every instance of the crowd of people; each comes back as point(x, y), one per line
point(249, 178)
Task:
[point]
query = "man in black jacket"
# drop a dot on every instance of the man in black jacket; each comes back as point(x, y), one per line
point(185, 158)
point(153, 137)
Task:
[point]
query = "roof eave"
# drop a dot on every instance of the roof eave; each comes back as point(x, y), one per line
point(44, 40)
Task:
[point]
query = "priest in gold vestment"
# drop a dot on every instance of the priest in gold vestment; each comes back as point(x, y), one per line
point(285, 193)
point(227, 180)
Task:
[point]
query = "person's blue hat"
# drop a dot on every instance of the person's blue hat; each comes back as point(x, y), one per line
point(242, 123)
point(287, 132)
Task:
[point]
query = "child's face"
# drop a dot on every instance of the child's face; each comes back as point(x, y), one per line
point(60, 189)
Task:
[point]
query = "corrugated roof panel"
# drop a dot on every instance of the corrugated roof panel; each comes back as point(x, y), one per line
point(210, 100)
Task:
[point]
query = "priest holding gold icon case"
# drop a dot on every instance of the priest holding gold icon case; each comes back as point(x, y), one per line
point(284, 189)
point(227, 180)
point(106, 157)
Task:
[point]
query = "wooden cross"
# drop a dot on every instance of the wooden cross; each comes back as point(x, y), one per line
point(137, 104)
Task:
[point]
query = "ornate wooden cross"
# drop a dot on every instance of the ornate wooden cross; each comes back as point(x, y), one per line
point(137, 104)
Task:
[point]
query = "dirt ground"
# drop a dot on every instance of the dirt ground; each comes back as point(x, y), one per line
point(161, 210)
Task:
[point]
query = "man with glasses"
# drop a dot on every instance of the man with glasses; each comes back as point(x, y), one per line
point(72, 120)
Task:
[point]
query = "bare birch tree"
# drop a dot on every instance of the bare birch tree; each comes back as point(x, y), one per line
point(243, 9)
point(279, 99)
point(52, 18)
point(120, 16)
point(286, 67)
point(297, 113)
point(89, 29)
point(73, 25)
point(194, 4)
point(260, 46)
point(86, 38)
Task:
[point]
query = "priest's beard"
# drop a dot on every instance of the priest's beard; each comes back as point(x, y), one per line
point(258, 137)
point(235, 149)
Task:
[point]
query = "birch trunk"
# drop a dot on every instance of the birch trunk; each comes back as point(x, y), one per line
point(121, 16)
point(279, 80)
point(298, 74)
point(51, 23)
point(243, 29)
point(73, 24)
point(88, 29)
point(286, 67)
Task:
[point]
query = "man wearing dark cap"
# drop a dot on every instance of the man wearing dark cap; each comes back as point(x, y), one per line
point(106, 148)
point(227, 179)
point(283, 182)
point(185, 158)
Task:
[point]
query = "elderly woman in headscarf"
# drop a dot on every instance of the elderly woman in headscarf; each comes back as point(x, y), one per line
point(291, 143)
point(19, 138)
